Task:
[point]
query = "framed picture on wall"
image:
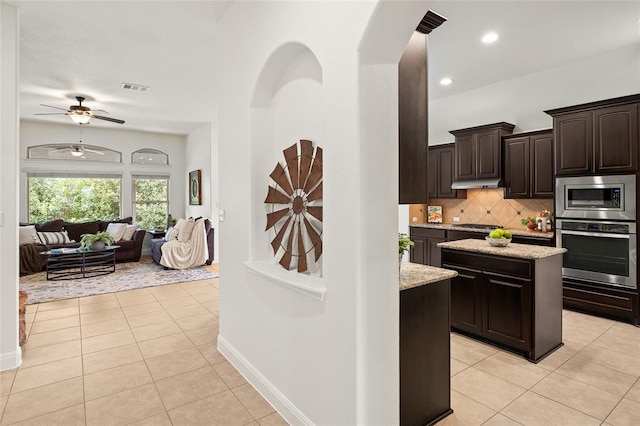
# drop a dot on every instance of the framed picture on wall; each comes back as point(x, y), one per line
point(195, 188)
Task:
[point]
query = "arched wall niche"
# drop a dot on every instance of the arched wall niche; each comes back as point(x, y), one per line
point(289, 62)
point(286, 106)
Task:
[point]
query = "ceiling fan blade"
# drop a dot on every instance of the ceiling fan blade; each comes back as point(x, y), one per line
point(101, 110)
point(114, 120)
point(50, 106)
point(93, 151)
point(52, 113)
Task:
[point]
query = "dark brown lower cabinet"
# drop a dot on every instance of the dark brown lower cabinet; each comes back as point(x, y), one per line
point(605, 301)
point(466, 300)
point(512, 302)
point(425, 250)
point(425, 382)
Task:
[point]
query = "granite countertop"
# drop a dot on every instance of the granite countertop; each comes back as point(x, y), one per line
point(514, 231)
point(522, 251)
point(415, 275)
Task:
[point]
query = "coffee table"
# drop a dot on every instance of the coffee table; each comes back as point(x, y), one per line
point(74, 263)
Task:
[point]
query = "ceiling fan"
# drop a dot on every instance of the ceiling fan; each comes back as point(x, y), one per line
point(81, 114)
point(76, 150)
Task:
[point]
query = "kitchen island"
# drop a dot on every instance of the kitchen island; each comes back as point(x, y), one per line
point(509, 296)
point(425, 383)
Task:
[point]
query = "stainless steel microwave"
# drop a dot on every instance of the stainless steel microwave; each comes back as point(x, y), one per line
point(596, 197)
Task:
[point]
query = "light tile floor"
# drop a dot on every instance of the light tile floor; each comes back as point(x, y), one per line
point(143, 357)
point(148, 357)
point(594, 379)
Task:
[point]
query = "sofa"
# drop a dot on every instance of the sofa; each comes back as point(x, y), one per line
point(62, 234)
point(180, 249)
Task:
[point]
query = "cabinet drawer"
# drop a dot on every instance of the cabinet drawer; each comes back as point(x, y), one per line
point(600, 300)
point(507, 266)
point(463, 235)
point(427, 232)
point(548, 242)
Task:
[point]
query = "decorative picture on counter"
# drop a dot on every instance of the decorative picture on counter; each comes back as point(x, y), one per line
point(434, 214)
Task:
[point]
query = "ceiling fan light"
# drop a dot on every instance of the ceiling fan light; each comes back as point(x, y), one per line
point(76, 153)
point(80, 118)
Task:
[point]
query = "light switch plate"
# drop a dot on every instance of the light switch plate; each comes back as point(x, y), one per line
point(221, 215)
point(1, 218)
point(456, 219)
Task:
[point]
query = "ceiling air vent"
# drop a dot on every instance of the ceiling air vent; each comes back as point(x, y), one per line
point(135, 87)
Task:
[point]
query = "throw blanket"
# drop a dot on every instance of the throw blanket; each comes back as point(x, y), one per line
point(185, 255)
point(31, 261)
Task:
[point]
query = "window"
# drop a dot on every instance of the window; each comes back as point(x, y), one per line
point(74, 152)
point(73, 198)
point(150, 201)
point(149, 156)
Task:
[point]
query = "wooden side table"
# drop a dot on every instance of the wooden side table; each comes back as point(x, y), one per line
point(155, 233)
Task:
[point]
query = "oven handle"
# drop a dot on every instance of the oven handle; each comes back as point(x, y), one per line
point(596, 234)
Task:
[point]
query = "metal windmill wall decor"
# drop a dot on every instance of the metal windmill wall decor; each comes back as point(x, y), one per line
point(296, 207)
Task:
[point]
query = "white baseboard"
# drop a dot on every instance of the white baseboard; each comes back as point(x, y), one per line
point(11, 360)
point(277, 399)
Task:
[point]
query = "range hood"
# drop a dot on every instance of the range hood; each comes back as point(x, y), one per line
point(477, 184)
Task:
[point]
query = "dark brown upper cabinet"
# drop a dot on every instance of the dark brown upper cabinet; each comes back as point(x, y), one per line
point(413, 114)
point(597, 138)
point(441, 172)
point(478, 153)
point(528, 165)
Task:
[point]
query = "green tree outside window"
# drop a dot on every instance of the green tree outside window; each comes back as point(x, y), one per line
point(73, 199)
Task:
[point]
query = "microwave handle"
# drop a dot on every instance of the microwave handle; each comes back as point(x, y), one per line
point(595, 234)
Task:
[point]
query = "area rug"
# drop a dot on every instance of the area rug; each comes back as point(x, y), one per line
point(128, 276)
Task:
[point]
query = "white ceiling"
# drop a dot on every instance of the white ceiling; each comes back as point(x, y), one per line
point(533, 35)
point(71, 48)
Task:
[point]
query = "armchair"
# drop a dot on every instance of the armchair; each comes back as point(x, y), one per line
point(182, 251)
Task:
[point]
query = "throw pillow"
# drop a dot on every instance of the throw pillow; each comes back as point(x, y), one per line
point(171, 234)
point(28, 235)
point(116, 230)
point(48, 238)
point(51, 226)
point(128, 232)
point(186, 230)
point(76, 230)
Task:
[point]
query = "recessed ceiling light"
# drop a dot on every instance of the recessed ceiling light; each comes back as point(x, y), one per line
point(489, 38)
point(446, 81)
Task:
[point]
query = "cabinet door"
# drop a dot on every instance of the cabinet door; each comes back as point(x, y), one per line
point(488, 154)
point(432, 174)
point(419, 251)
point(412, 122)
point(573, 136)
point(541, 164)
point(615, 141)
point(465, 157)
point(446, 165)
point(435, 252)
point(516, 162)
point(507, 310)
point(466, 299)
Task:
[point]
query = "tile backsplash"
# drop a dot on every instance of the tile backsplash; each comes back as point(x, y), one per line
point(483, 206)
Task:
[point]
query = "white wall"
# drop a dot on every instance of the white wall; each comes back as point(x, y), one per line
point(201, 154)
point(333, 361)
point(10, 353)
point(124, 141)
point(523, 100)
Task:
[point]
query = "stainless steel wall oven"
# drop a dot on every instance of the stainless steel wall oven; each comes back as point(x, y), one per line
point(599, 251)
point(596, 223)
